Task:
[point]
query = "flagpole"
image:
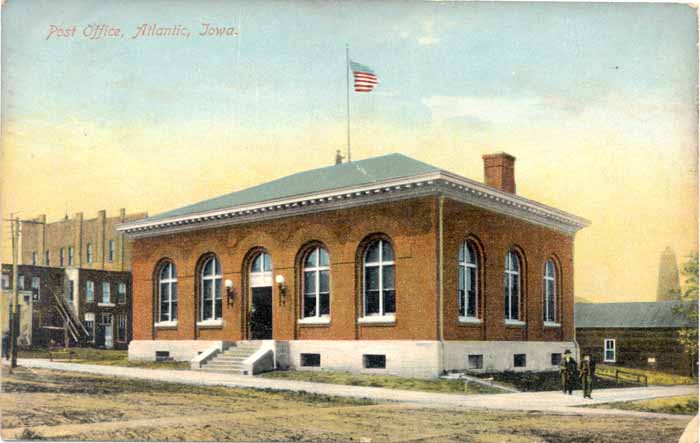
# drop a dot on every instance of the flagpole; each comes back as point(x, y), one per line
point(347, 83)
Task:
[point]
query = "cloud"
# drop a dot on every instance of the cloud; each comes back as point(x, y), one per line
point(485, 109)
point(428, 37)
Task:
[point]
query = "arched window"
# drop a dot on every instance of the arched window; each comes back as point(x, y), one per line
point(550, 292)
point(211, 290)
point(379, 292)
point(167, 292)
point(316, 303)
point(511, 286)
point(468, 292)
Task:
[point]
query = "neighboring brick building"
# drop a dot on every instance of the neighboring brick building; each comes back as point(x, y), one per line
point(77, 242)
point(100, 300)
point(385, 265)
point(636, 335)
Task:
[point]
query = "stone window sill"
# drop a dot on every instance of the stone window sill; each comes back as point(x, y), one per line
point(210, 324)
point(315, 321)
point(518, 323)
point(377, 320)
point(166, 325)
point(549, 324)
point(106, 305)
point(469, 321)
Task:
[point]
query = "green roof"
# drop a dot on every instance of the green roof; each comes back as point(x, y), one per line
point(357, 173)
point(630, 315)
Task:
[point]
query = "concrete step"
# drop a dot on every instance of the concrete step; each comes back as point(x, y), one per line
point(228, 360)
point(221, 366)
point(223, 371)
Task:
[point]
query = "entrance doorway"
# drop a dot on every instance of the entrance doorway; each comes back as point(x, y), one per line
point(105, 336)
point(260, 306)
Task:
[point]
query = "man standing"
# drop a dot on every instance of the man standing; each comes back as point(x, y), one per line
point(587, 371)
point(567, 372)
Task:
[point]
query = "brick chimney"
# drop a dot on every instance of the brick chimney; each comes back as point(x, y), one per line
point(499, 171)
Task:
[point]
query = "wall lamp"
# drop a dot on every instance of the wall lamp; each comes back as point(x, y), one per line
point(282, 286)
point(230, 292)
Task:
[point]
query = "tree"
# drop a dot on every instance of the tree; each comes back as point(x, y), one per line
point(688, 336)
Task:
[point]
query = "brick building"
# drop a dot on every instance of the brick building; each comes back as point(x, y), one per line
point(78, 242)
point(385, 265)
point(98, 303)
point(635, 335)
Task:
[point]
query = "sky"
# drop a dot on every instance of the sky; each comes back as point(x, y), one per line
point(597, 101)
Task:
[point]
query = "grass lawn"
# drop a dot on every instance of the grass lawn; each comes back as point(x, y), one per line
point(384, 381)
point(685, 405)
point(57, 405)
point(653, 377)
point(107, 357)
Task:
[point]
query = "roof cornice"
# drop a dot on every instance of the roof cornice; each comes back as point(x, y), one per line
point(452, 185)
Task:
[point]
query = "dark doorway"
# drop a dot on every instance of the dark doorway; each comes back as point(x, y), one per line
point(261, 314)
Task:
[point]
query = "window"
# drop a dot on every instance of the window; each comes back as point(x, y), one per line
point(468, 281)
point(89, 291)
point(163, 355)
point(110, 253)
point(106, 296)
point(70, 255)
point(556, 359)
point(211, 290)
point(90, 322)
point(550, 292)
point(262, 263)
point(379, 292)
point(121, 293)
point(311, 360)
point(5, 281)
point(519, 360)
point(36, 285)
point(61, 256)
point(69, 291)
point(88, 253)
point(167, 293)
point(511, 286)
point(609, 350)
point(374, 361)
point(316, 303)
point(475, 361)
point(20, 282)
point(47, 258)
point(121, 327)
point(33, 258)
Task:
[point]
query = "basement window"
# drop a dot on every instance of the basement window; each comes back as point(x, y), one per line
point(556, 359)
point(311, 360)
point(162, 355)
point(374, 361)
point(475, 361)
point(519, 360)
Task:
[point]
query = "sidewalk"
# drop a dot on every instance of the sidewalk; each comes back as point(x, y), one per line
point(553, 401)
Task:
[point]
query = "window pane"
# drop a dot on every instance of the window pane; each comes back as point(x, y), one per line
point(217, 289)
point(208, 267)
point(267, 263)
point(506, 293)
point(325, 306)
point(372, 255)
point(387, 251)
point(164, 292)
point(461, 278)
point(311, 259)
point(173, 291)
point(514, 300)
point(164, 311)
point(217, 308)
point(206, 289)
point(388, 277)
point(206, 310)
point(324, 277)
point(257, 264)
point(463, 252)
point(371, 302)
point(217, 266)
point(309, 282)
point(372, 279)
point(173, 315)
point(324, 260)
point(309, 305)
point(471, 292)
point(460, 298)
point(389, 302)
point(471, 254)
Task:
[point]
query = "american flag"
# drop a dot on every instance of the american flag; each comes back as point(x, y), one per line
point(365, 78)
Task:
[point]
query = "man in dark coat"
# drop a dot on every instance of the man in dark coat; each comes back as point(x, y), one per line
point(567, 372)
point(587, 374)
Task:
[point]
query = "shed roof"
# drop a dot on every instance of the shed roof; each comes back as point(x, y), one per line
point(661, 314)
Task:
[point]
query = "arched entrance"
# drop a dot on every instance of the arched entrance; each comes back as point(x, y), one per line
point(260, 305)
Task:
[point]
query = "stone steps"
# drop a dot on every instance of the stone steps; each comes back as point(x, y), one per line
point(231, 360)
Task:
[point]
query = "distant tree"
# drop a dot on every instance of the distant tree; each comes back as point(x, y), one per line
point(688, 336)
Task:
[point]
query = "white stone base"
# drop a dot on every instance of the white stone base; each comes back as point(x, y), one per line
point(498, 356)
point(180, 350)
point(407, 358)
